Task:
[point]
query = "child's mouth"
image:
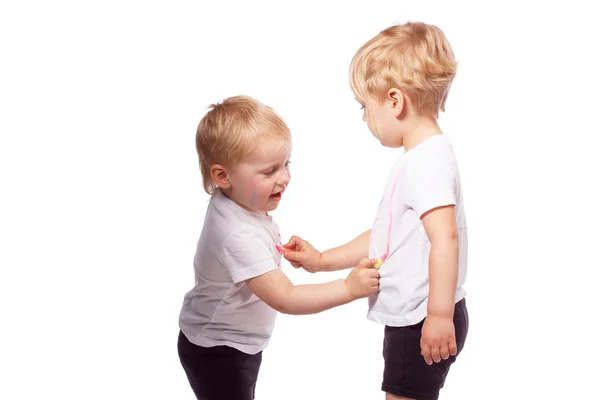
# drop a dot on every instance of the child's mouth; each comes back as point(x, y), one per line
point(276, 196)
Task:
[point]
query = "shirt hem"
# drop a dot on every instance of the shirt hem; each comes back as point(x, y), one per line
point(208, 342)
point(435, 204)
point(395, 320)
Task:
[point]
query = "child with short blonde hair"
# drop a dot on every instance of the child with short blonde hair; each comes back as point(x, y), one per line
point(226, 321)
point(401, 78)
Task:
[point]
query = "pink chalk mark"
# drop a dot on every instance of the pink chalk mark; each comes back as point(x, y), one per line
point(389, 230)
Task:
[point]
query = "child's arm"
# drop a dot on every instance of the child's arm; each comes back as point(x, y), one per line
point(275, 289)
point(438, 339)
point(301, 254)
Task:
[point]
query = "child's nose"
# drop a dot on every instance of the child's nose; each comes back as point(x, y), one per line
point(284, 178)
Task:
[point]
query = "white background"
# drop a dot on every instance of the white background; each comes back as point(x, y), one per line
point(102, 202)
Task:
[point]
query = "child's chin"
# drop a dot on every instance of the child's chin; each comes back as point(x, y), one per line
point(272, 207)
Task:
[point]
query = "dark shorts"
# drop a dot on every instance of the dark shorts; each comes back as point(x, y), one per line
point(219, 373)
point(406, 373)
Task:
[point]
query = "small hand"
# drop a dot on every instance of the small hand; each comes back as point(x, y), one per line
point(363, 280)
point(438, 340)
point(301, 254)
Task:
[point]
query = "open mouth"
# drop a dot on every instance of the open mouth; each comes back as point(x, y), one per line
point(276, 196)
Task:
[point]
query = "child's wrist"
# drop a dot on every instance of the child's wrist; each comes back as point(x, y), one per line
point(440, 311)
point(351, 296)
point(323, 264)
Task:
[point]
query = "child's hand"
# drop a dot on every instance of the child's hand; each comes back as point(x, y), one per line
point(438, 340)
point(301, 254)
point(363, 280)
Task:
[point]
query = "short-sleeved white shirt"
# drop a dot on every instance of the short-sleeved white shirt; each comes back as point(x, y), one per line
point(235, 245)
point(424, 178)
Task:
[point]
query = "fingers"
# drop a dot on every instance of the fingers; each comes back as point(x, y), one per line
point(292, 249)
point(291, 256)
point(438, 339)
point(363, 263)
point(426, 352)
point(444, 351)
point(294, 242)
point(291, 243)
point(435, 353)
point(372, 273)
point(452, 348)
point(367, 263)
point(369, 272)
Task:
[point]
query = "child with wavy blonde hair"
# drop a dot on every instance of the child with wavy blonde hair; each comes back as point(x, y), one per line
point(226, 320)
point(401, 78)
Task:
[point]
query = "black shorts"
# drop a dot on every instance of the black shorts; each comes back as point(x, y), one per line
point(219, 373)
point(406, 373)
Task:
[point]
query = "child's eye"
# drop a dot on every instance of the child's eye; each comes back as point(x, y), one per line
point(287, 164)
point(362, 108)
point(269, 173)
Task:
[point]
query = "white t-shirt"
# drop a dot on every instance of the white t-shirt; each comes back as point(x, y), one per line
point(235, 245)
point(423, 178)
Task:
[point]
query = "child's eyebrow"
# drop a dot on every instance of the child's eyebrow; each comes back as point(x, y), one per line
point(275, 163)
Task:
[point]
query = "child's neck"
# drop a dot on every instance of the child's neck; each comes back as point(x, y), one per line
point(227, 193)
point(419, 130)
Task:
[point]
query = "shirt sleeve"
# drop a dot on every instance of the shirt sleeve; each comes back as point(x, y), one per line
point(247, 254)
point(430, 186)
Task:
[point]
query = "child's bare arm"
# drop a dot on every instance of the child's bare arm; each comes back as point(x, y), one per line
point(302, 254)
point(440, 226)
point(275, 289)
point(438, 338)
point(347, 255)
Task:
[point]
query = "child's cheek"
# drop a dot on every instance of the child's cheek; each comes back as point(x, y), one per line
point(259, 192)
point(253, 189)
point(264, 190)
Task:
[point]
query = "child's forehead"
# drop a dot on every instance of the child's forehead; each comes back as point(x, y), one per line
point(269, 150)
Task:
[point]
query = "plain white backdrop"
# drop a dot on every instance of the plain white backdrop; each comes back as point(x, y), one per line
point(102, 202)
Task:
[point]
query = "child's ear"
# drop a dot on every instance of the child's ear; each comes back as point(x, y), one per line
point(397, 101)
point(219, 176)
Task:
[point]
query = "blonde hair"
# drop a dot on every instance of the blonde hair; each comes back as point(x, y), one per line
point(414, 57)
point(231, 129)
